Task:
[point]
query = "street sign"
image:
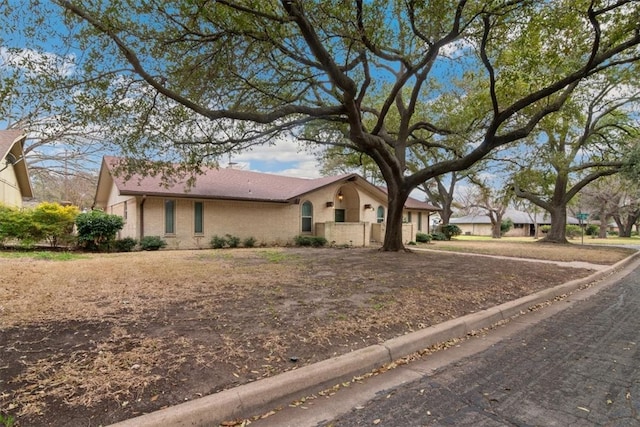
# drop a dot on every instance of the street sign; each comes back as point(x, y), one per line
point(582, 216)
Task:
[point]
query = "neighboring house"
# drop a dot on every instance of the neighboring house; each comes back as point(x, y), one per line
point(524, 224)
point(273, 209)
point(14, 175)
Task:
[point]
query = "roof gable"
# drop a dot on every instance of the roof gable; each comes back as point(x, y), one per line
point(12, 142)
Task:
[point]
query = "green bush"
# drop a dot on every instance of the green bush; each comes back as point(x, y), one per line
point(506, 226)
point(152, 243)
point(218, 242)
point(592, 230)
point(97, 230)
point(14, 224)
point(249, 242)
point(423, 238)
point(233, 241)
point(450, 230)
point(572, 231)
point(545, 228)
point(315, 241)
point(125, 245)
point(438, 236)
point(53, 222)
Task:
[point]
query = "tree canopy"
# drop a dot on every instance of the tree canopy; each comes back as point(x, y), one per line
point(197, 78)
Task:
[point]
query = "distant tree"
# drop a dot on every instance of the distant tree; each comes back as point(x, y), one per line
point(588, 139)
point(493, 202)
point(614, 197)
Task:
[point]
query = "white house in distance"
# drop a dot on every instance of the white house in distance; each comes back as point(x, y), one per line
point(273, 209)
point(524, 224)
point(14, 175)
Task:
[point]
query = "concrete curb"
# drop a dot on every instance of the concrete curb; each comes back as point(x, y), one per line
point(264, 395)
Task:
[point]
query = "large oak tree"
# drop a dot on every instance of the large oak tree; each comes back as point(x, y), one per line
point(201, 77)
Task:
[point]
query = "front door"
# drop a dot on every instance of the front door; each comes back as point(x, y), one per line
point(340, 215)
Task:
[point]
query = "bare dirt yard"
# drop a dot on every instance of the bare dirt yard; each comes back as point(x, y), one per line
point(101, 338)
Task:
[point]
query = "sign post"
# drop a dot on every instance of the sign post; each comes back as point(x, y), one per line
point(581, 217)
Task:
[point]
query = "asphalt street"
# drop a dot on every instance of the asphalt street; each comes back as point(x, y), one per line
point(579, 367)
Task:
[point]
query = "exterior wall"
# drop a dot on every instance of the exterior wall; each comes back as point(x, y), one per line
point(345, 233)
point(475, 229)
point(10, 194)
point(378, 231)
point(419, 220)
point(126, 207)
point(269, 223)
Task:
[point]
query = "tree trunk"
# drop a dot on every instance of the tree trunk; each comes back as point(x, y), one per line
point(496, 227)
point(625, 227)
point(557, 233)
point(602, 231)
point(393, 234)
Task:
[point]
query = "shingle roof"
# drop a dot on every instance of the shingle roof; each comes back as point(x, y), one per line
point(237, 184)
point(224, 183)
point(7, 139)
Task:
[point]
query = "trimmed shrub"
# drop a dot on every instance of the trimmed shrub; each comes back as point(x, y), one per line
point(315, 241)
point(218, 242)
point(592, 230)
point(127, 244)
point(545, 228)
point(152, 243)
point(97, 230)
point(450, 230)
point(438, 236)
point(233, 241)
point(423, 238)
point(572, 231)
point(53, 222)
point(249, 242)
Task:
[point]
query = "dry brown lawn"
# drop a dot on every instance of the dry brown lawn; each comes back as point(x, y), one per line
point(102, 338)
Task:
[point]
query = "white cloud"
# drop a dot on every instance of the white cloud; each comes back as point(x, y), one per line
point(277, 159)
point(37, 63)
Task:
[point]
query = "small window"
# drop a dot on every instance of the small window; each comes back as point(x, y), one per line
point(169, 216)
point(198, 223)
point(409, 216)
point(307, 217)
point(380, 214)
point(126, 213)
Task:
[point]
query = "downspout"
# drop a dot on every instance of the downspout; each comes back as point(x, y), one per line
point(142, 216)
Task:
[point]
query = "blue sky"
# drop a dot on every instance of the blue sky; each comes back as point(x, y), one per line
point(285, 157)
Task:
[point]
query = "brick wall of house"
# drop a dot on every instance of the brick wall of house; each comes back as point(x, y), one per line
point(270, 223)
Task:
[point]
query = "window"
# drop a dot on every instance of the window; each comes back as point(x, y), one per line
point(169, 217)
point(420, 221)
point(380, 214)
point(126, 213)
point(340, 215)
point(198, 225)
point(307, 217)
point(409, 216)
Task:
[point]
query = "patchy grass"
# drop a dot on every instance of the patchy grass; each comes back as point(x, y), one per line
point(41, 255)
point(533, 250)
point(100, 338)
